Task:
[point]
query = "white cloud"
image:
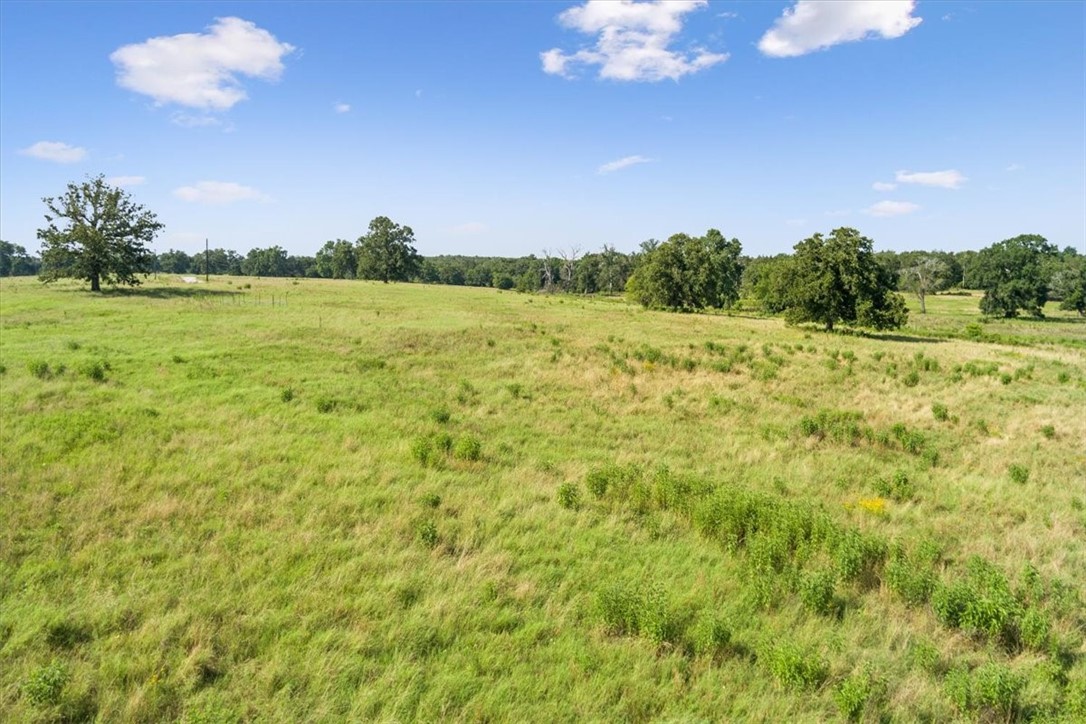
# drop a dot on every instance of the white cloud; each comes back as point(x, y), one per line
point(341, 107)
point(949, 179)
point(55, 151)
point(891, 208)
point(1015, 167)
point(471, 227)
point(201, 70)
point(218, 192)
point(632, 41)
point(812, 25)
point(883, 186)
point(622, 163)
point(188, 120)
point(126, 181)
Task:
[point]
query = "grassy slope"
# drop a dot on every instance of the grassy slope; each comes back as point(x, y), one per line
point(180, 540)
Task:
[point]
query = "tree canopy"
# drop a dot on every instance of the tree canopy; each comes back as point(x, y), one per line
point(95, 232)
point(387, 253)
point(688, 273)
point(1012, 275)
point(838, 279)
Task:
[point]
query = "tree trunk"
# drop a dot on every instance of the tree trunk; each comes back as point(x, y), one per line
point(923, 308)
point(95, 285)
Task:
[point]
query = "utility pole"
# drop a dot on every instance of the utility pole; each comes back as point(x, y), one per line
point(207, 263)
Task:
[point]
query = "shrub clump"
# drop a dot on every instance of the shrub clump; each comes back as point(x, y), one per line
point(898, 486)
point(467, 447)
point(1019, 474)
point(816, 591)
point(569, 495)
point(44, 685)
point(794, 668)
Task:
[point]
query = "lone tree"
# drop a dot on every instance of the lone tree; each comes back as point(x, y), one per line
point(1012, 275)
point(838, 279)
point(387, 252)
point(97, 233)
point(929, 274)
point(688, 273)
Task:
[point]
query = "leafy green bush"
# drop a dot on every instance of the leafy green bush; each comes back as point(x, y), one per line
point(95, 370)
point(569, 495)
point(912, 577)
point(898, 486)
point(1049, 432)
point(619, 605)
point(710, 635)
point(940, 412)
point(430, 450)
point(912, 379)
point(792, 667)
point(1019, 474)
point(45, 684)
point(40, 369)
point(852, 694)
point(326, 404)
point(286, 394)
point(440, 415)
point(467, 447)
point(426, 531)
point(816, 592)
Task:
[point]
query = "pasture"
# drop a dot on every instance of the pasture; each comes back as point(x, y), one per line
point(316, 500)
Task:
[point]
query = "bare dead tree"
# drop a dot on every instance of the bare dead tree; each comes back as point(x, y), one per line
point(569, 259)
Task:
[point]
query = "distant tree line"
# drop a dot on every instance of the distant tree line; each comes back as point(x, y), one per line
point(96, 233)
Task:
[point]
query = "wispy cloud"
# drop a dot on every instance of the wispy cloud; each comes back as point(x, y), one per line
point(891, 208)
point(949, 179)
point(883, 186)
point(812, 25)
point(632, 42)
point(341, 107)
point(622, 163)
point(1014, 167)
point(190, 120)
point(55, 151)
point(126, 181)
point(201, 70)
point(218, 192)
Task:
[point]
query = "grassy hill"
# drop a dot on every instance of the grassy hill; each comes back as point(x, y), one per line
point(323, 500)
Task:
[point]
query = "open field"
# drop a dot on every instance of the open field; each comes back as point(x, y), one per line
point(317, 500)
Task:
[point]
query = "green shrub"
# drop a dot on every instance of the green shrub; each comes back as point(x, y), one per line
point(940, 412)
point(898, 486)
point(925, 657)
point(430, 450)
point(658, 621)
point(286, 394)
point(569, 495)
point(1034, 629)
point(1049, 432)
point(440, 415)
point(794, 668)
point(326, 404)
point(467, 447)
point(40, 369)
point(852, 694)
point(912, 379)
point(816, 592)
point(1019, 474)
point(45, 684)
point(95, 370)
point(1005, 378)
point(710, 635)
point(619, 605)
point(426, 532)
point(911, 577)
point(1063, 378)
point(431, 500)
point(994, 689)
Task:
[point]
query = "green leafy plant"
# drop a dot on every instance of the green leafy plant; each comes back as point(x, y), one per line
point(569, 495)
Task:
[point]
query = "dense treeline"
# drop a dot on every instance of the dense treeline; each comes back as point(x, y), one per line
point(683, 273)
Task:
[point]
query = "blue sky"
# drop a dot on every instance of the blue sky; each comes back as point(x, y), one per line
point(510, 128)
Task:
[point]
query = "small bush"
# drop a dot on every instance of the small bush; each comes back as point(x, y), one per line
point(940, 412)
point(1005, 378)
point(286, 394)
point(40, 369)
point(898, 486)
point(95, 370)
point(72, 345)
point(326, 404)
point(426, 532)
point(468, 448)
point(1049, 432)
point(816, 592)
point(911, 577)
point(1019, 474)
point(794, 668)
point(991, 691)
point(925, 657)
point(1063, 378)
point(431, 500)
point(619, 605)
point(912, 379)
point(440, 415)
point(44, 686)
point(569, 495)
point(177, 359)
point(710, 635)
point(852, 694)
point(430, 450)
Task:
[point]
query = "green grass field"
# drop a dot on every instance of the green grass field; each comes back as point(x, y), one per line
point(279, 500)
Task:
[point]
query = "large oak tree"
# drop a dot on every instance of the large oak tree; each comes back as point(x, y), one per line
point(95, 232)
